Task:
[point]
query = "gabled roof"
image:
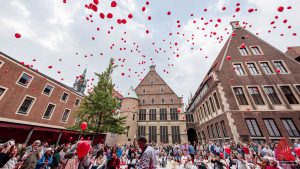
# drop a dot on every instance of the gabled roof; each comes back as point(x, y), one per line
point(152, 69)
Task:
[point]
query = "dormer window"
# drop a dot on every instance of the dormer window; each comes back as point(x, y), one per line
point(244, 51)
point(256, 50)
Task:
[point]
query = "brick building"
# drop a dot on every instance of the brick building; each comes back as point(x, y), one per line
point(35, 106)
point(251, 92)
point(153, 110)
point(294, 53)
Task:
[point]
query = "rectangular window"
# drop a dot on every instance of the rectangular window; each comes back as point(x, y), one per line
point(64, 97)
point(256, 50)
point(266, 67)
point(290, 127)
point(212, 104)
point(240, 96)
point(49, 111)
point(2, 92)
point(65, 115)
point(213, 130)
point(253, 128)
point(279, 65)
point(254, 93)
point(26, 105)
point(175, 134)
point(164, 134)
point(25, 79)
point(272, 128)
point(244, 51)
point(141, 131)
point(163, 114)
point(218, 130)
point(48, 90)
point(162, 101)
point(142, 115)
point(161, 90)
point(174, 114)
point(239, 69)
point(208, 131)
point(252, 69)
point(216, 100)
point(287, 92)
point(152, 114)
point(270, 91)
point(77, 102)
point(152, 134)
point(208, 108)
point(224, 129)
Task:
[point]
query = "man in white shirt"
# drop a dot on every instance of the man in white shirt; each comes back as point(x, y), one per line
point(147, 159)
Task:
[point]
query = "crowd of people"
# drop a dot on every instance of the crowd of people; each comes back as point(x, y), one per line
point(143, 155)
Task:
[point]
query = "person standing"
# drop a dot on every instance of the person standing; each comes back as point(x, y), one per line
point(192, 151)
point(147, 158)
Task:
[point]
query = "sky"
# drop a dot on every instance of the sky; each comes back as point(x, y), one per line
point(182, 38)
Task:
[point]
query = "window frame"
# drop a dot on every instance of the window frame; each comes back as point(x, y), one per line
point(293, 92)
point(66, 121)
point(176, 136)
point(153, 134)
point(28, 111)
point(284, 65)
point(259, 48)
point(225, 134)
point(50, 91)
point(216, 99)
point(236, 99)
point(5, 90)
point(248, 51)
point(66, 99)
point(268, 120)
point(297, 130)
point(276, 92)
point(173, 111)
point(51, 112)
point(259, 93)
point(152, 115)
point(141, 131)
point(164, 134)
point(259, 130)
point(142, 115)
point(17, 82)
point(78, 102)
point(255, 66)
point(271, 67)
point(242, 67)
point(297, 89)
point(163, 115)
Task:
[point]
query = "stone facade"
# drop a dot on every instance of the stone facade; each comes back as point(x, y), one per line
point(155, 95)
point(252, 95)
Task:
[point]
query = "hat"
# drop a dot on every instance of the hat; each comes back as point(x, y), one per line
point(142, 139)
point(37, 141)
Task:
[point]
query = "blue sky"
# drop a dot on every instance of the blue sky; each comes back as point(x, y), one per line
point(53, 32)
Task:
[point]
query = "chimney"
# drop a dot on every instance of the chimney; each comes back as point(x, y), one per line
point(235, 25)
point(152, 67)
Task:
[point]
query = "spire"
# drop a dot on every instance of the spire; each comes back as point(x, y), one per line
point(84, 72)
point(80, 82)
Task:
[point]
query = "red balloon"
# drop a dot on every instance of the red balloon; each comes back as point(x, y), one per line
point(297, 151)
point(17, 35)
point(169, 13)
point(83, 126)
point(102, 16)
point(83, 147)
point(113, 4)
point(109, 15)
point(222, 155)
point(280, 9)
point(277, 70)
point(228, 57)
point(130, 16)
point(227, 150)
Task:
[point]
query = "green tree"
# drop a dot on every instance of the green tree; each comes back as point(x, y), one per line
point(99, 106)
